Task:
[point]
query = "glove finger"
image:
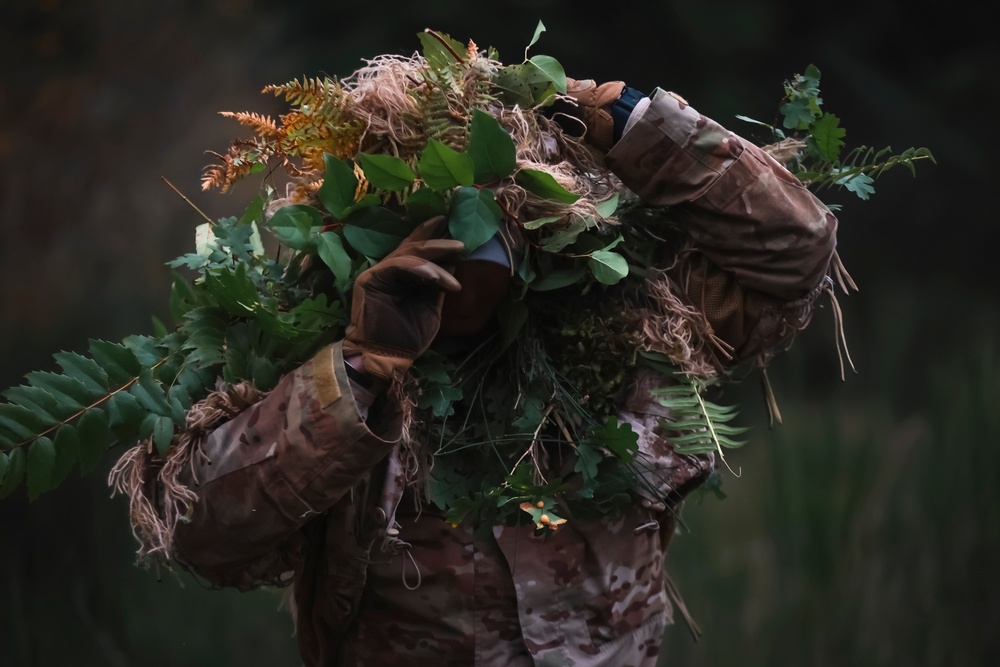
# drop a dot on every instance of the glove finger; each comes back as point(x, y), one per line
point(434, 250)
point(413, 270)
point(429, 229)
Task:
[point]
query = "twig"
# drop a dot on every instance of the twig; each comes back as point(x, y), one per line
point(200, 212)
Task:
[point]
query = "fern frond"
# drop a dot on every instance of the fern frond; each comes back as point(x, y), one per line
point(244, 157)
point(262, 125)
point(697, 425)
point(307, 91)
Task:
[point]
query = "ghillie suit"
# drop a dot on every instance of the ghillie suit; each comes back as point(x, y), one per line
point(558, 446)
point(570, 353)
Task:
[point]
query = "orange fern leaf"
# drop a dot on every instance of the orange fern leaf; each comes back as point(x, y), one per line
point(262, 125)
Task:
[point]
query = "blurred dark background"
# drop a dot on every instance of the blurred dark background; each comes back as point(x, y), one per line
point(864, 530)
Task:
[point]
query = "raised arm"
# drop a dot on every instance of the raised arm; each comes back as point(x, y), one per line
point(762, 241)
point(316, 437)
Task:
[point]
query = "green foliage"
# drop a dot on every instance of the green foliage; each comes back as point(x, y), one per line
point(697, 425)
point(242, 317)
point(820, 163)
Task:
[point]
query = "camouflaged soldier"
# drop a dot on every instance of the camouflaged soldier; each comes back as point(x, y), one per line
point(303, 488)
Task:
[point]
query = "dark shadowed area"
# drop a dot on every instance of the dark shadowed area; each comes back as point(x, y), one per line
point(864, 530)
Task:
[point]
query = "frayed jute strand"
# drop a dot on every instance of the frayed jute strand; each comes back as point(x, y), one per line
point(677, 329)
point(158, 503)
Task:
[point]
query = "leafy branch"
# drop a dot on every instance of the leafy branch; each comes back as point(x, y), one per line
point(812, 148)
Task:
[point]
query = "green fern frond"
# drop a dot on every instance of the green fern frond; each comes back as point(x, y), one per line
point(697, 425)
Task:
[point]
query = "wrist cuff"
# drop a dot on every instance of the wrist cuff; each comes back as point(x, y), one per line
point(362, 379)
point(622, 108)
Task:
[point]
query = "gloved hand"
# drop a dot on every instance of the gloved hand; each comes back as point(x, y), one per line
point(591, 111)
point(396, 306)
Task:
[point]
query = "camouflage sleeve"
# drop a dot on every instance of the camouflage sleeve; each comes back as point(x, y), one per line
point(762, 241)
point(275, 466)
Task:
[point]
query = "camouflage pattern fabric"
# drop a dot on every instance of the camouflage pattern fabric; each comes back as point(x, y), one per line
point(301, 490)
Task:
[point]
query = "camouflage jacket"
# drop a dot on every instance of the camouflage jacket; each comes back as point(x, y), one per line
point(302, 490)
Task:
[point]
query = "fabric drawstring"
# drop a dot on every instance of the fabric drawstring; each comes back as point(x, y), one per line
point(392, 493)
point(847, 284)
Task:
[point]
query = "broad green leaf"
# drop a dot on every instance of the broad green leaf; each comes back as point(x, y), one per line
point(237, 242)
point(559, 278)
point(205, 328)
point(70, 393)
point(474, 217)
point(561, 237)
point(197, 381)
point(21, 423)
point(777, 131)
point(180, 402)
point(159, 328)
point(124, 414)
point(618, 437)
point(163, 433)
point(150, 394)
point(528, 85)
point(538, 223)
point(204, 240)
point(67, 445)
point(808, 83)
point(85, 370)
point(539, 29)
point(339, 188)
point(608, 207)
point(544, 185)
point(859, 184)
point(295, 224)
point(423, 204)
point(331, 250)
point(587, 460)
point(235, 366)
point(439, 49)
point(317, 313)
point(253, 213)
point(145, 348)
point(16, 463)
point(439, 398)
point(447, 486)
point(553, 70)
point(93, 432)
point(387, 172)
point(4, 464)
point(798, 114)
point(491, 148)
point(375, 231)
point(607, 266)
point(233, 289)
point(443, 168)
point(39, 402)
point(41, 462)
point(435, 367)
point(117, 361)
point(828, 135)
point(264, 373)
point(182, 298)
point(273, 323)
point(513, 86)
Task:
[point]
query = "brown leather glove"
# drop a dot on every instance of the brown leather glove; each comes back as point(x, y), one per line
point(396, 307)
point(591, 109)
